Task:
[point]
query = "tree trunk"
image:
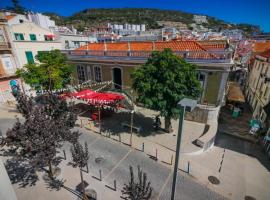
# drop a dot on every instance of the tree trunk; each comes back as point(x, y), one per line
point(82, 182)
point(168, 125)
point(50, 169)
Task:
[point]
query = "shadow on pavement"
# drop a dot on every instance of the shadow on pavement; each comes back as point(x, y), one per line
point(113, 124)
point(242, 146)
point(21, 172)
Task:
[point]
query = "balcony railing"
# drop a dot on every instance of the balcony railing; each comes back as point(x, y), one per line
point(5, 45)
point(190, 56)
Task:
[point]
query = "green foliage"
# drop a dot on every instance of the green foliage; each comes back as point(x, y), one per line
point(163, 80)
point(80, 156)
point(17, 7)
point(52, 71)
point(137, 190)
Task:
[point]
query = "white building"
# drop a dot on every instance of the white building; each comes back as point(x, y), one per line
point(41, 20)
point(199, 19)
point(16, 19)
point(73, 41)
point(27, 39)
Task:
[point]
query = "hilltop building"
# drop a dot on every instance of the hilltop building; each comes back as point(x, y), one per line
point(200, 19)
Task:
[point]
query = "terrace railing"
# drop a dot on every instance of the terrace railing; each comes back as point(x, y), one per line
point(5, 45)
point(190, 56)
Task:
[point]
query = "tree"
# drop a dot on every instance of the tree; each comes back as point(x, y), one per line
point(163, 81)
point(80, 157)
point(16, 7)
point(140, 190)
point(51, 71)
point(43, 131)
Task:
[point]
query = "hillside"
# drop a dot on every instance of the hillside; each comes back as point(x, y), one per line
point(90, 17)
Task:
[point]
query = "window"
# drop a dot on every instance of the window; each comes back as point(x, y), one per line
point(19, 36)
point(29, 56)
point(97, 72)
point(266, 91)
point(2, 38)
point(81, 73)
point(66, 44)
point(21, 21)
point(48, 37)
point(33, 37)
point(76, 44)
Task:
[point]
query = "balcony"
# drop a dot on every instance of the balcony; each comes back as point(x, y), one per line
point(189, 56)
point(5, 46)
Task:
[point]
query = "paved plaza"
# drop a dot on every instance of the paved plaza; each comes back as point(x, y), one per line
point(240, 166)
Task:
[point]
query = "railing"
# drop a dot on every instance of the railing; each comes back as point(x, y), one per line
point(5, 45)
point(191, 56)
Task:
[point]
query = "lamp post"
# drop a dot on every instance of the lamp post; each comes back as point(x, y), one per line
point(131, 127)
point(185, 105)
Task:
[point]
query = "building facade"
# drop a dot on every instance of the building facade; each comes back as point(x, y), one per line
point(116, 61)
point(258, 86)
point(7, 62)
point(27, 39)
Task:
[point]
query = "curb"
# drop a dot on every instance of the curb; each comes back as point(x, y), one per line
point(238, 136)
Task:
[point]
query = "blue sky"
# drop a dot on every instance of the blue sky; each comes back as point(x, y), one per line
point(235, 11)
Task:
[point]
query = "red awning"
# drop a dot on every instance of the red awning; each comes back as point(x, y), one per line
point(50, 36)
point(97, 98)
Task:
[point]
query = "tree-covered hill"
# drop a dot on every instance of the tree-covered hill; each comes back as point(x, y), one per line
point(92, 17)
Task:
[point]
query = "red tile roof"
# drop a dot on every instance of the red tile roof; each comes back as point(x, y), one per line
point(145, 46)
point(213, 44)
point(265, 54)
point(260, 47)
point(9, 17)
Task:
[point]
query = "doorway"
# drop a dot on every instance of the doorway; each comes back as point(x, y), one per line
point(117, 78)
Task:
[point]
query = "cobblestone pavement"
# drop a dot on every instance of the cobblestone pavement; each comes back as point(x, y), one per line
point(239, 126)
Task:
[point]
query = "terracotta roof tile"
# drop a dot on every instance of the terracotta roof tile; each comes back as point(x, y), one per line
point(178, 46)
point(120, 46)
point(260, 47)
point(9, 17)
point(145, 46)
point(265, 54)
point(141, 46)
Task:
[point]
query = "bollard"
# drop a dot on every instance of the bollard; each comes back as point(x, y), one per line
point(143, 147)
point(114, 183)
point(156, 153)
point(100, 178)
point(188, 167)
point(81, 123)
point(119, 135)
point(171, 159)
point(87, 168)
point(65, 157)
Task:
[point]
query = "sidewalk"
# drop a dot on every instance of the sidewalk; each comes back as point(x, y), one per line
point(238, 127)
point(239, 174)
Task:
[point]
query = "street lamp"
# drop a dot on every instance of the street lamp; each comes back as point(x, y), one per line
point(185, 105)
point(131, 127)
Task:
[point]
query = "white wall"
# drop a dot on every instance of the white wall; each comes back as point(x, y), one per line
point(20, 47)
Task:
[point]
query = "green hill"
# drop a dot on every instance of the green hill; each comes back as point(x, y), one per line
point(93, 17)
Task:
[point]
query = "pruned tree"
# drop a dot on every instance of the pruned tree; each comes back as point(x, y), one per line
point(51, 72)
point(80, 158)
point(163, 81)
point(137, 190)
point(41, 133)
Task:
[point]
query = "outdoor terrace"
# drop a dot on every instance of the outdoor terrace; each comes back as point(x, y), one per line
point(189, 56)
